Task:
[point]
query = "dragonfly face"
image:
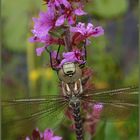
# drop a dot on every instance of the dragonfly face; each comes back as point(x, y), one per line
point(70, 72)
point(69, 68)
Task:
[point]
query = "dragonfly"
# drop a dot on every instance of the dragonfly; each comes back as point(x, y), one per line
point(117, 103)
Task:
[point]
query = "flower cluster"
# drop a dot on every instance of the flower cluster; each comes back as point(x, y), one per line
point(46, 135)
point(58, 11)
point(59, 14)
point(83, 32)
point(93, 117)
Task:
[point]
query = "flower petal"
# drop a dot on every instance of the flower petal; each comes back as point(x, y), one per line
point(48, 134)
point(97, 109)
point(27, 138)
point(39, 51)
point(56, 138)
point(32, 39)
point(79, 12)
point(98, 31)
point(60, 21)
point(66, 3)
point(71, 19)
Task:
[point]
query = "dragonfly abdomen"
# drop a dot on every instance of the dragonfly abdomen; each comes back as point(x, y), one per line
point(77, 119)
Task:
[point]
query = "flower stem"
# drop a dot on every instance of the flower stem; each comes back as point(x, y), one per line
point(67, 39)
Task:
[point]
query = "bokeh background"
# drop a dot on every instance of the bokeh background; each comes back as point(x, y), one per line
point(113, 57)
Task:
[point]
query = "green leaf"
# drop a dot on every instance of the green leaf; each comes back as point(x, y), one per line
point(100, 133)
point(57, 32)
point(111, 132)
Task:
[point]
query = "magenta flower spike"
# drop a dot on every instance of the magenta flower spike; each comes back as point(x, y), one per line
point(97, 110)
point(59, 14)
point(62, 15)
point(93, 117)
point(46, 135)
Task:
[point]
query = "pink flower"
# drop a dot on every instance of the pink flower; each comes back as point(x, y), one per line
point(55, 16)
point(97, 109)
point(74, 56)
point(93, 117)
point(39, 51)
point(79, 12)
point(82, 32)
point(58, 3)
point(47, 135)
point(43, 24)
point(69, 14)
point(27, 138)
point(48, 40)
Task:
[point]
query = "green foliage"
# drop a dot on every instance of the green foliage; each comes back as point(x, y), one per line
point(111, 132)
point(15, 22)
point(107, 8)
point(133, 76)
point(100, 132)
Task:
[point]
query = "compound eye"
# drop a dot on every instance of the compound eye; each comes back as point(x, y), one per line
point(69, 68)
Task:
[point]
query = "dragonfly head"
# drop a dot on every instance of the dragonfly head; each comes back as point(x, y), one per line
point(70, 72)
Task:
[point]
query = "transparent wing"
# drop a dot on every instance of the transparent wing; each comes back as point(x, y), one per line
point(21, 116)
point(118, 104)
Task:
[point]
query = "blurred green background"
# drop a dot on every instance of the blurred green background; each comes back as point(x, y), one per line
point(113, 57)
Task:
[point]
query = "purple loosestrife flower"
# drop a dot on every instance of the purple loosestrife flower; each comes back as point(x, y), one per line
point(48, 40)
point(55, 16)
point(93, 117)
point(40, 50)
point(58, 3)
point(69, 14)
point(42, 25)
point(82, 32)
point(47, 135)
point(97, 109)
point(74, 56)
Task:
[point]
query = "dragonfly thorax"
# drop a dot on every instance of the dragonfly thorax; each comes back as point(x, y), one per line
point(73, 89)
point(74, 101)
